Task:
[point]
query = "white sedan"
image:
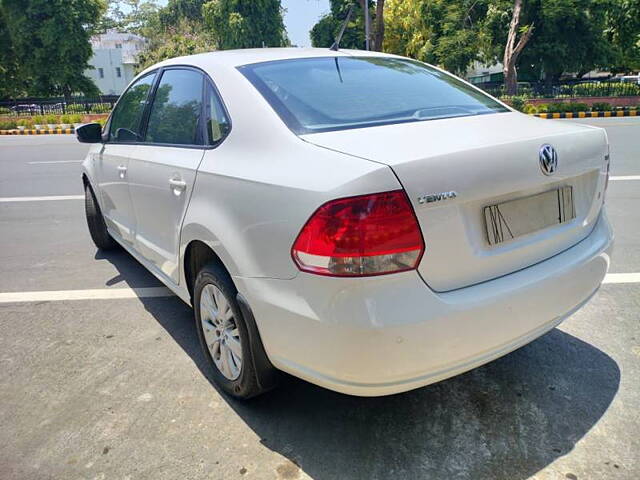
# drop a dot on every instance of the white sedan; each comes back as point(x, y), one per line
point(363, 221)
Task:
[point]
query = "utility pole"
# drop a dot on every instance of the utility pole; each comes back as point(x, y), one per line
point(366, 24)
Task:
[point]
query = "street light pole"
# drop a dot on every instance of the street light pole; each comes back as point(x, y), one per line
point(366, 24)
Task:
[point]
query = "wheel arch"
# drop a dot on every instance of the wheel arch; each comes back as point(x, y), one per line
point(199, 246)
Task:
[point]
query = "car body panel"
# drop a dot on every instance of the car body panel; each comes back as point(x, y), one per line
point(113, 184)
point(257, 201)
point(159, 200)
point(485, 160)
point(251, 195)
point(383, 335)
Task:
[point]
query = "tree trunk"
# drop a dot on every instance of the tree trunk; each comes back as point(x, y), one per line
point(367, 13)
point(510, 79)
point(512, 50)
point(378, 39)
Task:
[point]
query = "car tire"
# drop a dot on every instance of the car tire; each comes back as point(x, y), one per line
point(95, 222)
point(253, 376)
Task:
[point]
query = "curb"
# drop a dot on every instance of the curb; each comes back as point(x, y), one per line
point(617, 113)
point(46, 131)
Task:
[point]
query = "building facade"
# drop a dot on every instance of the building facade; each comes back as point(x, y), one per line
point(114, 60)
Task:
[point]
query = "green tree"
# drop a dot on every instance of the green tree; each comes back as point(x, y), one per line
point(568, 36)
point(245, 23)
point(183, 39)
point(11, 85)
point(324, 32)
point(134, 16)
point(623, 31)
point(178, 10)
point(442, 32)
point(50, 41)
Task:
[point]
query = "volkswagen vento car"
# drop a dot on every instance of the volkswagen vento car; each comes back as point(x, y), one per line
point(363, 221)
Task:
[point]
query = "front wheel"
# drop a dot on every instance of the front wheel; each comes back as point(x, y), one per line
point(226, 338)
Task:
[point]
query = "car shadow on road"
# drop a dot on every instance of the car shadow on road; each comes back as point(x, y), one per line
point(507, 419)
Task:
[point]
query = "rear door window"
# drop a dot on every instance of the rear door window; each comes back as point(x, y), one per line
point(177, 109)
point(218, 124)
point(125, 123)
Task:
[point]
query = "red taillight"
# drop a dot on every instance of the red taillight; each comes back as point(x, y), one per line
point(365, 235)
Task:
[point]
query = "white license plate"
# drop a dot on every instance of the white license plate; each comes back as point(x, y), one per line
point(512, 219)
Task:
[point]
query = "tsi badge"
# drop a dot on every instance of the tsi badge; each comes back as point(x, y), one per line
point(436, 197)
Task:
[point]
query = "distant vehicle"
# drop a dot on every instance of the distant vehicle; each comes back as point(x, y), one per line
point(630, 79)
point(366, 222)
point(26, 108)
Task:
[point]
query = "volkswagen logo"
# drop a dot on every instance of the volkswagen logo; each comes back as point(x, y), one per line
point(548, 159)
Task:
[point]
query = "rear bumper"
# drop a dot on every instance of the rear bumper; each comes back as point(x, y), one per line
point(382, 335)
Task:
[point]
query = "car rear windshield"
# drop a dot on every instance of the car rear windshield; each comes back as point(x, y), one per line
point(337, 93)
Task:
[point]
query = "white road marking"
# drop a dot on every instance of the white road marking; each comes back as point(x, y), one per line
point(55, 161)
point(622, 278)
point(625, 177)
point(41, 199)
point(94, 294)
point(148, 292)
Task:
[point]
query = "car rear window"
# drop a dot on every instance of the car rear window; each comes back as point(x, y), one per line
point(336, 93)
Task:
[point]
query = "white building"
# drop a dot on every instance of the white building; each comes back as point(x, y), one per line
point(483, 73)
point(114, 60)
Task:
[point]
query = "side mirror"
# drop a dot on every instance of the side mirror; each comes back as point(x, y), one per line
point(89, 133)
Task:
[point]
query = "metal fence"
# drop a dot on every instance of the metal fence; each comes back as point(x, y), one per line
point(57, 106)
point(567, 89)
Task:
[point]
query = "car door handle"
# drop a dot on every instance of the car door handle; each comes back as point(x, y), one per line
point(177, 185)
point(122, 170)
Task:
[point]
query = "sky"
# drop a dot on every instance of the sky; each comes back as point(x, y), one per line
point(299, 17)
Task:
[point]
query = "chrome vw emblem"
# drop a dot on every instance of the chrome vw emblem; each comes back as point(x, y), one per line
point(548, 159)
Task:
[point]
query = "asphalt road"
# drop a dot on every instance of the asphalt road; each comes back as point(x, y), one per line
point(118, 389)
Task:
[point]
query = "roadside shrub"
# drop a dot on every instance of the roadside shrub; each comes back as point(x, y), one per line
point(75, 108)
point(38, 119)
point(601, 107)
point(7, 125)
point(554, 108)
point(605, 89)
point(517, 102)
point(66, 119)
point(530, 109)
point(543, 107)
point(51, 119)
point(100, 108)
point(579, 107)
point(5, 111)
point(25, 122)
point(77, 118)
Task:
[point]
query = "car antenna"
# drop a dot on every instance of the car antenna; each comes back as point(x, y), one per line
point(336, 44)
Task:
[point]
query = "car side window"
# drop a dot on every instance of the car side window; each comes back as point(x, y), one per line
point(218, 124)
point(176, 109)
point(125, 122)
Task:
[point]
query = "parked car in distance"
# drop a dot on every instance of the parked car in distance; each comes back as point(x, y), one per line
point(363, 221)
point(630, 79)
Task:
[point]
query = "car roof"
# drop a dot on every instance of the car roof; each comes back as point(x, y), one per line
point(236, 58)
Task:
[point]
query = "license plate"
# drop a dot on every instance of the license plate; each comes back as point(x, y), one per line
point(512, 219)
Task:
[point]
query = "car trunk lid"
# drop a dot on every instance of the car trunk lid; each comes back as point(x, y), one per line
point(454, 169)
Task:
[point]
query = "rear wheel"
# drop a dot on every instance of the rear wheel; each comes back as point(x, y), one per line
point(225, 335)
point(95, 222)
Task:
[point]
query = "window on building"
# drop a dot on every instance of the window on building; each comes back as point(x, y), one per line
point(118, 72)
point(175, 113)
point(125, 120)
point(101, 72)
point(118, 45)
